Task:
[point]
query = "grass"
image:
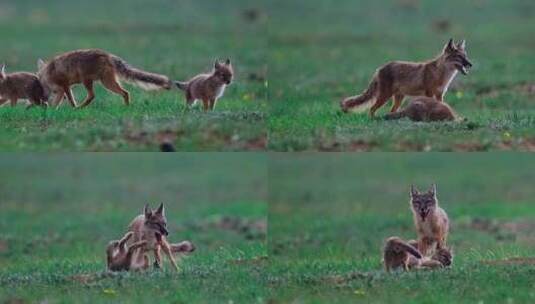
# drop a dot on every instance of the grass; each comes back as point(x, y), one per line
point(59, 211)
point(179, 39)
point(329, 215)
point(332, 50)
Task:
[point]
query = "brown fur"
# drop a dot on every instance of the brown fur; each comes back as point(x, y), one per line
point(399, 79)
point(442, 257)
point(431, 221)
point(396, 254)
point(208, 87)
point(21, 85)
point(425, 109)
point(120, 256)
point(88, 66)
point(151, 227)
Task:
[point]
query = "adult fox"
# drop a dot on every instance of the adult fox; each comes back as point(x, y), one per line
point(87, 66)
point(399, 79)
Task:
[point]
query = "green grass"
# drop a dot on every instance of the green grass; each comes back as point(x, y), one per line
point(179, 39)
point(59, 211)
point(329, 215)
point(333, 48)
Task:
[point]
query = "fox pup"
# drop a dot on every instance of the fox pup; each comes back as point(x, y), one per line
point(208, 87)
point(424, 109)
point(151, 226)
point(21, 85)
point(431, 221)
point(88, 66)
point(119, 256)
point(399, 79)
point(442, 257)
point(397, 253)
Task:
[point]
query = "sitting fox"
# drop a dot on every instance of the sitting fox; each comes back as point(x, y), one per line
point(21, 85)
point(88, 66)
point(431, 221)
point(397, 254)
point(208, 87)
point(424, 109)
point(399, 79)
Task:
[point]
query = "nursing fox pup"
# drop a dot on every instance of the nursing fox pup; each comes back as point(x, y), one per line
point(208, 87)
point(424, 109)
point(399, 79)
point(151, 227)
point(21, 85)
point(431, 221)
point(88, 66)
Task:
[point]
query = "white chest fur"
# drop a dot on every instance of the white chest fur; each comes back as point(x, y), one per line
point(447, 84)
point(220, 91)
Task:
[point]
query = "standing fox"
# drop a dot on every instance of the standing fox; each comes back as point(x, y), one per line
point(399, 79)
point(424, 109)
point(208, 87)
point(88, 66)
point(151, 226)
point(431, 221)
point(21, 85)
point(397, 253)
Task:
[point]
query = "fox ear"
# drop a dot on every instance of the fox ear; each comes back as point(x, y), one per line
point(414, 191)
point(161, 210)
point(461, 45)
point(3, 71)
point(433, 189)
point(227, 62)
point(40, 63)
point(217, 65)
point(449, 47)
point(147, 211)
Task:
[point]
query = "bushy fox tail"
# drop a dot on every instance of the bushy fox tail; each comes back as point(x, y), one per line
point(361, 102)
point(182, 85)
point(143, 79)
point(185, 246)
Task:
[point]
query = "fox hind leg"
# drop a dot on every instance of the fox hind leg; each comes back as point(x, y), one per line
point(111, 84)
point(398, 99)
point(379, 102)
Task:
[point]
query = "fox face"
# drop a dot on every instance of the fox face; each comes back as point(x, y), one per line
point(224, 72)
point(455, 55)
point(423, 203)
point(155, 220)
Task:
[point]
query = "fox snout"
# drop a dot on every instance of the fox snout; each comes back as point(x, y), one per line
point(423, 214)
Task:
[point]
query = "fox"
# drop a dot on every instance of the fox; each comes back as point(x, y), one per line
point(397, 253)
point(430, 78)
point(151, 226)
point(208, 87)
point(120, 256)
point(425, 109)
point(21, 85)
point(87, 66)
point(441, 258)
point(431, 221)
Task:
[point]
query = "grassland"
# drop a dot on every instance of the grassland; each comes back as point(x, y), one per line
point(179, 39)
point(329, 215)
point(58, 212)
point(331, 50)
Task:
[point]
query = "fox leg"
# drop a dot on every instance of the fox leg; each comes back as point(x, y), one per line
point(111, 84)
point(70, 97)
point(13, 101)
point(439, 96)
point(205, 104)
point(423, 245)
point(88, 84)
point(157, 257)
point(398, 99)
point(212, 104)
point(379, 102)
point(2, 101)
point(167, 250)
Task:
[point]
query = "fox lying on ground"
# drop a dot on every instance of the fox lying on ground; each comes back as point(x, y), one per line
point(87, 66)
point(397, 253)
point(399, 79)
point(442, 257)
point(208, 87)
point(431, 221)
point(151, 226)
point(119, 256)
point(21, 85)
point(424, 109)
